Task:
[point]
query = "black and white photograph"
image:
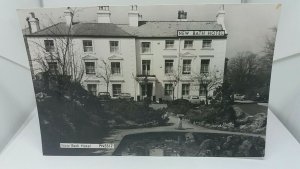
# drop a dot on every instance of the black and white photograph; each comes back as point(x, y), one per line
point(161, 80)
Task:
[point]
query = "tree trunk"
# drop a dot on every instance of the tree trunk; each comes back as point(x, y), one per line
point(107, 87)
point(173, 94)
point(206, 97)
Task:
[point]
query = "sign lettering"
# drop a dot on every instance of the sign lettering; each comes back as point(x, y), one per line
point(200, 33)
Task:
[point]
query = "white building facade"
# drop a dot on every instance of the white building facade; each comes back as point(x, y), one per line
point(156, 59)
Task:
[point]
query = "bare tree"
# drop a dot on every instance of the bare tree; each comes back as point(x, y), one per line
point(62, 52)
point(174, 78)
point(105, 72)
point(269, 47)
point(209, 81)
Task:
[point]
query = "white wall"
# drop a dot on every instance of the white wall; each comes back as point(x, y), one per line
point(101, 51)
point(159, 54)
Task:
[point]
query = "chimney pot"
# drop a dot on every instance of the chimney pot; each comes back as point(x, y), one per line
point(182, 15)
point(69, 16)
point(221, 17)
point(103, 14)
point(133, 16)
point(33, 23)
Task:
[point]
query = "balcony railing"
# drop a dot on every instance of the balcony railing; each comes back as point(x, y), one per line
point(145, 75)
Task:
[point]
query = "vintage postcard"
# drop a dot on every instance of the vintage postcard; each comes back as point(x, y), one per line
point(164, 80)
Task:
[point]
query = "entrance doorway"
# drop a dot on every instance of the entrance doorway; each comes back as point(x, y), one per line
point(147, 89)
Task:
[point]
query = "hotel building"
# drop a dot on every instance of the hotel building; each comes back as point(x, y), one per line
point(156, 59)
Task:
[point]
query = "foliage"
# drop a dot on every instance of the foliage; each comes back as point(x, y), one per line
point(242, 73)
point(174, 78)
point(192, 144)
point(250, 73)
point(179, 106)
point(212, 115)
point(105, 72)
point(135, 112)
point(209, 81)
point(66, 57)
point(75, 117)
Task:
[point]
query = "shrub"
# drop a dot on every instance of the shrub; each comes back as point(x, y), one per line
point(212, 115)
point(179, 106)
point(138, 113)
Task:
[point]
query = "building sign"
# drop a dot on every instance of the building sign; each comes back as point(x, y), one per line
point(200, 33)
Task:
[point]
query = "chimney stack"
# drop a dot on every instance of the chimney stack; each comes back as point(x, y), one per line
point(133, 16)
point(221, 17)
point(182, 15)
point(33, 23)
point(103, 14)
point(69, 16)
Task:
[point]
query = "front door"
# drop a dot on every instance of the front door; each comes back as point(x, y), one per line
point(147, 89)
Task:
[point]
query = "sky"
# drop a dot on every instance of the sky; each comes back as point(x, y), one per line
point(248, 25)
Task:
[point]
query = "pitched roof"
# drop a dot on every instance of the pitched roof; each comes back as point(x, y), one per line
point(168, 28)
point(145, 29)
point(26, 31)
point(83, 29)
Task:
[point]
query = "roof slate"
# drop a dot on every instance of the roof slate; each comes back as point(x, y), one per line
point(83, 29)
point(168, 28)
point(145, 29)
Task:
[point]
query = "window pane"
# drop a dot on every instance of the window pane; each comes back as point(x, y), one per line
point(92, 88)
point(114, 46)
point(168, 89)
point(90, 67)
point(49, 45)
point(87, 45)
point(185, 89)
point(188, 44)
point(116, 89)
point(169, 44)
point(145, 47)
point(115, 68)
point(146, 67)
point(202, 90)
point(186, 66)
point(53, 69)
point(169, 66)
point(204, 66)
point(206, 44)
